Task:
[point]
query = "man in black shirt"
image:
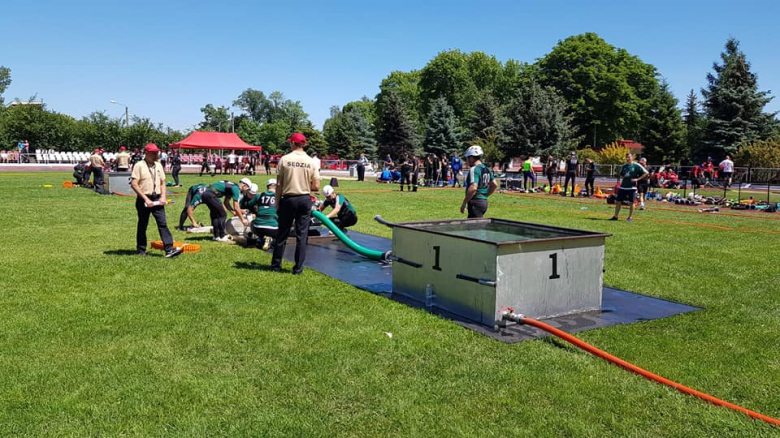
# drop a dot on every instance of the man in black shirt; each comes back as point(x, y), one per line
point(572, 169)
point(406, 172)
point(590, 170)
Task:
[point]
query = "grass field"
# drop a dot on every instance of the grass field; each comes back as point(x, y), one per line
point(95, 341)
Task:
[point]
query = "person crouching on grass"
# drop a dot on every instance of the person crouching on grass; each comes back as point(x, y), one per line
point(631, 173)
point(148, 182)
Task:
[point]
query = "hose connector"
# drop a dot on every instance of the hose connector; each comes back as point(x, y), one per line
point(508, 314)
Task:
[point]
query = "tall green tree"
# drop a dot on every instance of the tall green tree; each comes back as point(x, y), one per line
point(254, 104)
point(41, 127)
point(395, 130)
point(406, 85)
point(5, 81)
point(488, 118)
point(662, 127)
point(348, 133)
point(215, 118)
point(607, 88)
point(733, 105)
point(694, 126)
point(538, 123)
point(441, 132)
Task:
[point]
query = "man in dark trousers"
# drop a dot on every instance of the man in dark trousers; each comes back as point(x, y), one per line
point(218, 213)
point(343, 214)
point(572, 169)
point(297, 177)
point(148, 182)
point(479, 184)
point(415, 163)
point(175, 160)
point(406, 172)
point(456, 165)
point(194, 198)
point(590, 170)
point(362, 162)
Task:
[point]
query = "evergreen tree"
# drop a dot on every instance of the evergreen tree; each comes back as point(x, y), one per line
point(538, 123)
point(662, 132)
point(733, 105)
point(395, 133)
point(694, 124)
point(441, 133)
point(487, 117)
point(364, 140)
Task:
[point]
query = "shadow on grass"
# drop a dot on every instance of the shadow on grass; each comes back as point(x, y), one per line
point(200, 238)
point(129, 252)
point(254, 266)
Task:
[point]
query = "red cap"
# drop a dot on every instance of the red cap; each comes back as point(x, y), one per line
point(97, 150)
point(121, 148)
point(151, 147)
point(297, 138)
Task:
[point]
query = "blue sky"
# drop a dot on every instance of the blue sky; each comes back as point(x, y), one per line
point(167, 59)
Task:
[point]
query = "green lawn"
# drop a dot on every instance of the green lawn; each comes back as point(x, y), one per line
point(95, 342)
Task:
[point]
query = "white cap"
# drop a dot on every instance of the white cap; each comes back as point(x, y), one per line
point(253, 189)
point(246, 181)
point(271, 182)
point(327, 190)
point(474, 151)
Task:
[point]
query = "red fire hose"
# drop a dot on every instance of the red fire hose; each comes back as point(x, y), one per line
point(633, 368)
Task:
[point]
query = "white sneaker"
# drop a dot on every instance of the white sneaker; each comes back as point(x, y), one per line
point(223, 239)
point(641, 206)
point(266, 243)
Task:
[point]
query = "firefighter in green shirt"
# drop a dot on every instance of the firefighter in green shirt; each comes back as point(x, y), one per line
point(343, 214)
point(263, 206)
point(194, 198)
point(479, 184)
point(230, 191)
point(631, 173)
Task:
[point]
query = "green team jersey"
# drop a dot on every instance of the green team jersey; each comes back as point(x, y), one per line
point(197, 194)
point(527, 166)
point(223, 188)
point(344, 202)
point(629, 172)
point(480, 175)
point(263, 205)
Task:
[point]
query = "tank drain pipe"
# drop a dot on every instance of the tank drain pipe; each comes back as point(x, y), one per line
point(510, 315)
point(379, 219)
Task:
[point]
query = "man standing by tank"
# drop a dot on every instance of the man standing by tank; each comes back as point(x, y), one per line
point(297, 177)
point(480, 184)
point(572, 169)
point(122, 160)
point(148, 182)
point(415, 163)
point(97, 164)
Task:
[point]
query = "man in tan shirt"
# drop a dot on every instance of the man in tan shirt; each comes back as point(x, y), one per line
point(96, 164)
point(122, 160)
point(148, 182)
point(297, 177)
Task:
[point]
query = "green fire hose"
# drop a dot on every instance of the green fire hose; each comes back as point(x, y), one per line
point(365, 252)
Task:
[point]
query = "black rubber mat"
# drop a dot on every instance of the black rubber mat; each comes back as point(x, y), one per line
point(331, 257)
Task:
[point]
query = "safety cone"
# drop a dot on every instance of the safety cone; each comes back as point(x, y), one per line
point(598, 191)
point(334, 182)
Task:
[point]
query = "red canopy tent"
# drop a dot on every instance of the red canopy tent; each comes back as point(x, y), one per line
point(214, 140)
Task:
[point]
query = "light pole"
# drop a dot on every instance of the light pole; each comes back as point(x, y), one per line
point(127, 112)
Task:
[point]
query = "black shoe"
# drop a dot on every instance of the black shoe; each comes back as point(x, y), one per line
point(180, 228)
point(173, 252)
point(141, 253)
point(275, 269)
point(613, 218)
point(297, 272)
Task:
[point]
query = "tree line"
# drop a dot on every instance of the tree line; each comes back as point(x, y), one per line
point(584, 94)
